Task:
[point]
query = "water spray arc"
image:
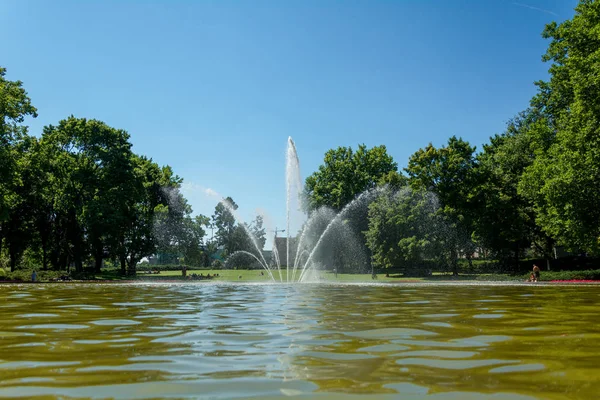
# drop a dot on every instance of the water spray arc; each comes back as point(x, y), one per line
point(303, 260)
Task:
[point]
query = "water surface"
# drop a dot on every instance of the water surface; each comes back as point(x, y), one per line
point(223, 341)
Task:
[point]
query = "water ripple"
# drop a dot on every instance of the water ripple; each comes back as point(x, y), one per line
point(316, 341)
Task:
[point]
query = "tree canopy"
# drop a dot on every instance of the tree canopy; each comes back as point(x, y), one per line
point(345, 174)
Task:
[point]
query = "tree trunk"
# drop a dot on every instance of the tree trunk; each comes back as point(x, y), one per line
point(131, 266)
point(44, 258)
point(123, 261)
point(516, 257)
point(78, 256)
point(44, 240)
point(14, 257)
point(454, 262)
point(98, 256)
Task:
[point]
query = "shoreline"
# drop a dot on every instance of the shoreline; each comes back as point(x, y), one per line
point(463, 282)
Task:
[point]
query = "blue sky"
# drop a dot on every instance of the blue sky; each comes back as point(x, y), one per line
point(214, 88)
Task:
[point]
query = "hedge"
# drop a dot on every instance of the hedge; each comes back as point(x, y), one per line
point(590, 274)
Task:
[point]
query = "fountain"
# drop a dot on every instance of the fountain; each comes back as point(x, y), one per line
point(321, 224)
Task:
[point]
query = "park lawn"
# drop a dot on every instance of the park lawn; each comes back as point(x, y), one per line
point(233, 275)
point(230, 275)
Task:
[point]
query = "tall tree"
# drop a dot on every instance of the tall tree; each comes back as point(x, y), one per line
point(504, 219)
point(98, 171)
point(192, 241)
point(15, 105)
point(345, 174)
point(224, 221)
point(19, 224)
point(406, 231)
point(251, 238)
point(563, 181)
point(258, 231)
point(448, 173)
point(136, 239)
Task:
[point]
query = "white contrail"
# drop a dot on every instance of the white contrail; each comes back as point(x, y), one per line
point(536, 8)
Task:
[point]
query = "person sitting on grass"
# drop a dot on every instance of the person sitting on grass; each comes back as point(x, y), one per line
point(536, 273)
point(531, 278)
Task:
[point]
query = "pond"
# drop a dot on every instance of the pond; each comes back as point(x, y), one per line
point(224, 341)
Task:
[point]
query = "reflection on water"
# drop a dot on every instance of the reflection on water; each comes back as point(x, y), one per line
point(276, 341)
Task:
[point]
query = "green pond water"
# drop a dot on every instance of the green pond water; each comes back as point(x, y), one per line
point(223, 341)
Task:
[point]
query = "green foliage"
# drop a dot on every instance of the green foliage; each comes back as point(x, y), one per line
point(504, 219)
point(408, 232)
point(567, 275)
point(448, 172)
point(345, 174)
point(177, 232)
point(78, 195)
point(224, 222)
point(15, 105)
point(232, 237)
point(563, 180)
point(24, 275)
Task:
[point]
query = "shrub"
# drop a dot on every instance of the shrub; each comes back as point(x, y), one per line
point(4, 262)
point(568, 275)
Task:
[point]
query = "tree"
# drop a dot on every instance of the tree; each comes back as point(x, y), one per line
point(192, 240)
point(94, 163)
point(345, 174)
point(19, 221)
point(15, 105)
point(258, 231)
point(505, 221)
point(224, 221)
point(149, 196)
point(448, 173)
point(171, 222)
point(250, 238)
point(563, 180)
point(406, 230)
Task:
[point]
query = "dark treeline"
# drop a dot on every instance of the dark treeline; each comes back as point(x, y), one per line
point(531, 188)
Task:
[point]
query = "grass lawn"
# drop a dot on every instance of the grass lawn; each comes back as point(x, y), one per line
point(231, 275)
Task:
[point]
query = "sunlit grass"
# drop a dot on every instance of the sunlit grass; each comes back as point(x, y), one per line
point(242, 275)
